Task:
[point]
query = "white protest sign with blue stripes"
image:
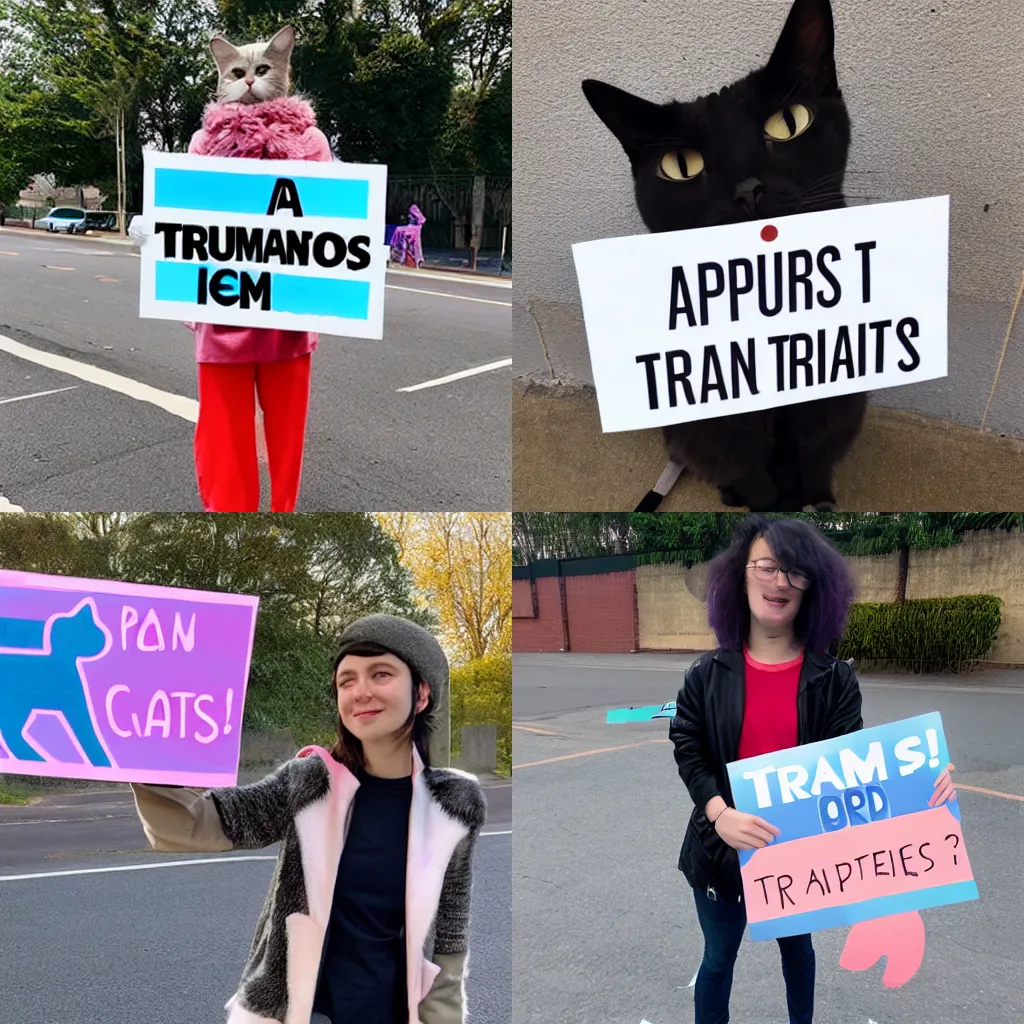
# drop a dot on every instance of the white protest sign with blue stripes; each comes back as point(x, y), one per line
point(291, 244)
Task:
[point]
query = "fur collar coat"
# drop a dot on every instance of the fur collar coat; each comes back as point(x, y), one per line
point(305, 806)
point(281, 129)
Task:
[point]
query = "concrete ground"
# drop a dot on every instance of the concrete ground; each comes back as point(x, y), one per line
point(902, 461)
point(605, 925)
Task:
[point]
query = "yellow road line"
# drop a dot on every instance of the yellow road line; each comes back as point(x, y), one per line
point(585, 753)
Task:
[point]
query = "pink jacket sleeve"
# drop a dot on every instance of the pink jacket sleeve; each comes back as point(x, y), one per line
point(322, 151)
point(198, 143)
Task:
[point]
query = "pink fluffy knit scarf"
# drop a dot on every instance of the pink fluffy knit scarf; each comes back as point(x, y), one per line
point(272, 130)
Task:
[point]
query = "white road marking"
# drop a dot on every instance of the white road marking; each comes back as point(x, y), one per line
point(426, 275)
point(508, 833)
point(74, 249)
point(448, 295)
point(176, 405)
point(38, 394)
point(458, 376)
point(129, 867)
point(6, 506)
point(49, 266)
point(61, 821)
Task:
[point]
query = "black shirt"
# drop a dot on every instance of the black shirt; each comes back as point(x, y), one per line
point(362, 976)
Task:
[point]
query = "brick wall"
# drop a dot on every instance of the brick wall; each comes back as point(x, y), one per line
point(601, 612)
point(544, 633)
point(522, 599)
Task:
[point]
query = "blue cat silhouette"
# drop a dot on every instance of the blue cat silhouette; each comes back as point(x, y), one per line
point(49, 680)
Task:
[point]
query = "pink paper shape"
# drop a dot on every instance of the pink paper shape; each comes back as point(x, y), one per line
point(899, 938)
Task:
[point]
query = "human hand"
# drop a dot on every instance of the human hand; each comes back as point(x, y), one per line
point(943, 786)
point(139, 230)
point(744, 831)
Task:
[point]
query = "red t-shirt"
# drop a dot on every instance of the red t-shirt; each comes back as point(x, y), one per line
point(769, 711)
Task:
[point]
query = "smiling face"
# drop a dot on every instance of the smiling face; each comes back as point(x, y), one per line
point(774, 603)
point(375, 696)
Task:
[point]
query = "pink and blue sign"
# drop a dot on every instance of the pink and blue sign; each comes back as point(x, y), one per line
point(858, 839)
point(121, 681)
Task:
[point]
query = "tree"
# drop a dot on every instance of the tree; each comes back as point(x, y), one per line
point(462, 565)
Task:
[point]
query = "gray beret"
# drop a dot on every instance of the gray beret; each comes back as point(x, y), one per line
point(419, 649)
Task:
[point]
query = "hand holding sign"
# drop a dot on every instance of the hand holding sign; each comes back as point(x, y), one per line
point(944, 791)
point(866, 830)
point(744, 831)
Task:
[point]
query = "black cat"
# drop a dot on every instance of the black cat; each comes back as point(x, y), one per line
point(771, 144)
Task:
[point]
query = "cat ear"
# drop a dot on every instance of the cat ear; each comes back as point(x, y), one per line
point(282, 43)
point(806, 46)
point(632, 120)
point(223, 53)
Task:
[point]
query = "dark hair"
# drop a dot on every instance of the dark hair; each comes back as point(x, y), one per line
point(797, 545)
point(349, 748)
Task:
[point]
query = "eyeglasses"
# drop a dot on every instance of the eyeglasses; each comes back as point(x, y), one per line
point(767, 572)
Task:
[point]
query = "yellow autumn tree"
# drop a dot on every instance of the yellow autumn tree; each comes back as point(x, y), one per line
point(462, 566)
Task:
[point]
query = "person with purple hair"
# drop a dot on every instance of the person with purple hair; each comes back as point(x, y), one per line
point(777, 600)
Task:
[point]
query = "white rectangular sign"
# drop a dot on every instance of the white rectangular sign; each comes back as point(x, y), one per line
point(689, 325)
point(291, 244)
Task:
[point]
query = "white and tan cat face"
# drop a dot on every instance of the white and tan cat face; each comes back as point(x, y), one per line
point(256, 72)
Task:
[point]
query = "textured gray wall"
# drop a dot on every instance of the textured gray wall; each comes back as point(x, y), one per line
point(936, 94)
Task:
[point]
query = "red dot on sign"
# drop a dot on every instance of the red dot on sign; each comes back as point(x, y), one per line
point(769, 233)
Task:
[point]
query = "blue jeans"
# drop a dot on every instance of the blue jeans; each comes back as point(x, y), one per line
point(722, 922)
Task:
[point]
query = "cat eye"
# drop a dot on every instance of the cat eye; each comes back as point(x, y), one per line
point(262, 69)
point(238, 72)
point(786, 125)
point(680, 165)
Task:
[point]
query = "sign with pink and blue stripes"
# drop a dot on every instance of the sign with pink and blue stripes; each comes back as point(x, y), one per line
point(288, 244)
point(858, 839)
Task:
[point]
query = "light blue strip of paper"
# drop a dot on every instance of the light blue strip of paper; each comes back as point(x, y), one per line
point(866, 910)
point(622, 715)
point(325, 296)
point(289, 293)
point(230, 192)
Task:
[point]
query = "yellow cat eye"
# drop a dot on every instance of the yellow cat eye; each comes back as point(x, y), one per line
point(680, 165)
point(786, 125)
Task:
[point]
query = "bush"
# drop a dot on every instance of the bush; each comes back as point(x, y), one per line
point(932, 634)
point(290, 682)
point(482, 695)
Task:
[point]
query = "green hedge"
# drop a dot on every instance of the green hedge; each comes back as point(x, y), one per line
point(481, 694)
point(931, 634)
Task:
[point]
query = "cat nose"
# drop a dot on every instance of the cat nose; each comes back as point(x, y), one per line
point(748, 194)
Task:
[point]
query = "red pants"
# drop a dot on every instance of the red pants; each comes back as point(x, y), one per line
point(225, 443)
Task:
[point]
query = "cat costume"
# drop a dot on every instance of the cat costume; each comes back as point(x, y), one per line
point(237, 363)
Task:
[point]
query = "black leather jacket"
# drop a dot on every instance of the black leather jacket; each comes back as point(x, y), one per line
point(706, 736)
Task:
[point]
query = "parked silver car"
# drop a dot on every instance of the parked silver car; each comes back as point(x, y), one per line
point(63, 218)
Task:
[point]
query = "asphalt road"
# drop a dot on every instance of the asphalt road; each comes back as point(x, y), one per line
point(605, 925)
point(369, 445)
point(167, 945)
